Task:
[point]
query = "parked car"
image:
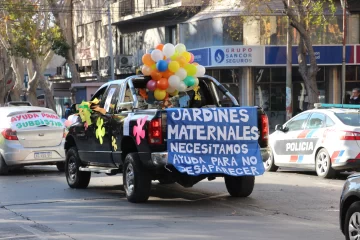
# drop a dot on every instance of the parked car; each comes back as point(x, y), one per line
point(17, 103)
point(325, 139)
point(30, 135)
point(350, 208)
point(132, 138)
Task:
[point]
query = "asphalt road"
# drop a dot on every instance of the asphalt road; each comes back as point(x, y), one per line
point(36, 203)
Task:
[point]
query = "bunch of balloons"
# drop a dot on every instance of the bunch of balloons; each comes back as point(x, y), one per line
point(172, 70)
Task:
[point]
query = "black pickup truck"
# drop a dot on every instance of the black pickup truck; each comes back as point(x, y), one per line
point(143, 157)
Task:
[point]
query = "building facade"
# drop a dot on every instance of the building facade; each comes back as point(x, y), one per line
point(246, 55)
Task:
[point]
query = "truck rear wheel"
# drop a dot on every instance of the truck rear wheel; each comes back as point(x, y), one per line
point(240, 186)
point(74, 177)
point(136, 179)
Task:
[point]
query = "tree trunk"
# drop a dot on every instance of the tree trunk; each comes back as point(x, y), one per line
point(65, 24)
point(40, 78)
point(17, 64)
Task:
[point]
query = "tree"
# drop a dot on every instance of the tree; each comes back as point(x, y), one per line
point(62, 10)
point(303, 16)
point(28, 32)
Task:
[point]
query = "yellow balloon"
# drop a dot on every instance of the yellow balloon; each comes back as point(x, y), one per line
point(159, 94)
point(174, 56)
point(174, 66)
point(187, 56)
point(153, 66)
point(190, 69)
point(174, 93)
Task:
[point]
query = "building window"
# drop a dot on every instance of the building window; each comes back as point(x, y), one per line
point(232, 31)
point(80, 32)
point(98, 30)
point(171, 34)
point(106, 31)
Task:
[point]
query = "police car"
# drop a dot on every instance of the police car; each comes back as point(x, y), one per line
point(325, 139)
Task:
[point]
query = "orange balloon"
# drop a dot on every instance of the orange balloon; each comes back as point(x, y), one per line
point(146, 59)
point(162, 84)
point(181, 60)
point(156, 75)
point(167, 74)
point(160, 46)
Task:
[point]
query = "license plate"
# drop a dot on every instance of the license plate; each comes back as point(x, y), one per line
point(42, 155)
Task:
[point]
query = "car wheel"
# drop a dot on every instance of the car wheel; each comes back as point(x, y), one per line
point(4, 169)
point(352, 222)
point(269, 164)
point(136, 179)
point(74, 177)
point(240, 186)
point(60, 166)
point(323, 164)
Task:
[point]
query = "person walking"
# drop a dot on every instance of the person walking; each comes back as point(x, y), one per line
point(355, 98)
point(67, 110)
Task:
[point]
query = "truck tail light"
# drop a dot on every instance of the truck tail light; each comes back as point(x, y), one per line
point(264, 122)
point(9, 134)
point(348, 135)
point(155, 131)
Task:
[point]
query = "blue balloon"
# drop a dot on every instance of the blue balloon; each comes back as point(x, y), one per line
point(162, 66)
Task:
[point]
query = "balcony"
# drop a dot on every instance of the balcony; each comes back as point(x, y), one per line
point(135, 10)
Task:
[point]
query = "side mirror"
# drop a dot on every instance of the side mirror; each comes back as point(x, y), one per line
point(279, 127)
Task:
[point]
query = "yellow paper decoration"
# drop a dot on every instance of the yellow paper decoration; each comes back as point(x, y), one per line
point(197, 94)
point(100, 131)
point(114, 143)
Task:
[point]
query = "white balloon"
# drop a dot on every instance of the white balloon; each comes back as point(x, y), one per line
point(182, 87)
point(174, 81)
point(180, 48)
point(181, 73)
point(157, 55)
point(170, 89)
point(196, 82)
point(200, 71)
point(168, 50)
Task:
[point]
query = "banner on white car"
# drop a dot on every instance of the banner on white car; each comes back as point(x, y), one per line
point(33, 120)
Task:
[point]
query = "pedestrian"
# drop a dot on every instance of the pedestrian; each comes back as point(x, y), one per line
point(67, 110)
point(355, 98)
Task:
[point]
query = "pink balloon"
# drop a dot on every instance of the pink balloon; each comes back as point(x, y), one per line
point(151, 85)
point(192, 58)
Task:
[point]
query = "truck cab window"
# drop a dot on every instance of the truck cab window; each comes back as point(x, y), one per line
point(99, 94)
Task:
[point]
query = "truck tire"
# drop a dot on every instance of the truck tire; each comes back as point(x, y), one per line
point(4, 169)
point(240, 186)
point(60, 166)
point(136, 179)
point(74, 177)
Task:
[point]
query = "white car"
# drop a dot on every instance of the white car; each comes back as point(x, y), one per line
point(30, 135)
point(325, 139)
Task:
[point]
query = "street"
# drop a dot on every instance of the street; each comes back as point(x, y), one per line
point(36, 203)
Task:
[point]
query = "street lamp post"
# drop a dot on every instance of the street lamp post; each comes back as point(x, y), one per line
point(343, 70)
point(110, 43)
point(289, 110)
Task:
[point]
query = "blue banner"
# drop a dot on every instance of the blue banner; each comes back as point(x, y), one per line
point(276, 55)
point(201, 56)
point(214, 140)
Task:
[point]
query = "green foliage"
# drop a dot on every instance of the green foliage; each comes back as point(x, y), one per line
point(30, 30)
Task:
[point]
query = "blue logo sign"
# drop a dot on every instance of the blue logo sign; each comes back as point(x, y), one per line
point(201, 56)
point(219, 56)
point(214, 140)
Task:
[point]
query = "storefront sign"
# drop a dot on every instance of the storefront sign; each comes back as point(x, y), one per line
point(218, 140)
point(201, 56)
point(236, 56)
point(325, 55)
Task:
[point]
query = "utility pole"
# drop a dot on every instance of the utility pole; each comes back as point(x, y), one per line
point(110, 43)
point(343, 70)
point(289, 110)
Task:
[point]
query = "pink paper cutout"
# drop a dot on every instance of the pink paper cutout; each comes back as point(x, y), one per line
point(138, 130)
point(86, 125)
